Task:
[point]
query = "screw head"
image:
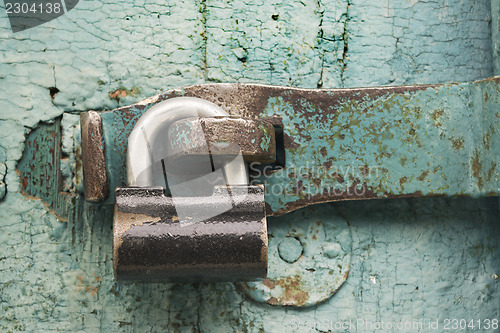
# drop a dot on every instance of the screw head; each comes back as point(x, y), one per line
point(290, 249)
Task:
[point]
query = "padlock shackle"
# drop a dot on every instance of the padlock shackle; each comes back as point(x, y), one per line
point(154, 124)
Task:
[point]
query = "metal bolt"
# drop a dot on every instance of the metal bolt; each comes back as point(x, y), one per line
point(290, 249)
point(332, 250)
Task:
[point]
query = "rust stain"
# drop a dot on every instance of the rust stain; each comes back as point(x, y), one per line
point(350, 194)
point(92, 290)
point(291, 206)
point(458, 143)
point(87, 287)
point(273, 301)
point(268, 283)
point(476, 169)
point(436, 115)
point(487, 137)
point(292, 295)
point(423, 175)
point(122, 223)
point(122, 92)
point(338, 177)
point(402, 181)
point(491, 170)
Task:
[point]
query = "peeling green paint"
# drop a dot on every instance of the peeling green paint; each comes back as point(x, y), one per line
point(427, 257)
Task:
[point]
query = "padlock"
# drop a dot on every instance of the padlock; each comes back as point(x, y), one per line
point(185, 219)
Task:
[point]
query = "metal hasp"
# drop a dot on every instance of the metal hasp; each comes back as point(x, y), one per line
point(346, 144)
point(212, 225)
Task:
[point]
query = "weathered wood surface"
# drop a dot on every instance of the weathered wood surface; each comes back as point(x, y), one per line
point(411, 259)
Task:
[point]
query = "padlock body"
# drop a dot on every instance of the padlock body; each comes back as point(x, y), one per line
point(154, 243)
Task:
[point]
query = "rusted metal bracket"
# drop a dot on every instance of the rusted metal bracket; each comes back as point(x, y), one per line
point(339, 144)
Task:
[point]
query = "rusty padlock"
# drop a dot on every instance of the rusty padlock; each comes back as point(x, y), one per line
point(187, 217)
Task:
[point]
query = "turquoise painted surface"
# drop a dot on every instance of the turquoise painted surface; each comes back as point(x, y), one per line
point(57, 275)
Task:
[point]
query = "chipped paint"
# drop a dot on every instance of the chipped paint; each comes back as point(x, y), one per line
point(123, 92)
point(3, 189)
point(127, 221)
